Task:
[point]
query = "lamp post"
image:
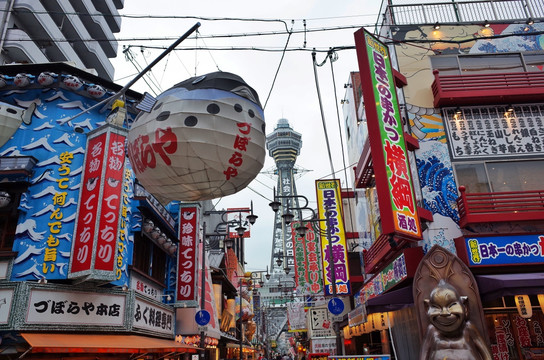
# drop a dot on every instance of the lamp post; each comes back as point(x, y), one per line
point(241, 324)
point(288, 217)
point(241, 277)
point(240, 230)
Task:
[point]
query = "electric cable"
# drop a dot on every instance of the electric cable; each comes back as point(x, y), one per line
point(151, 75)
point(129, 56)
point(277, 70)
point(333, 56)
point(322, 113)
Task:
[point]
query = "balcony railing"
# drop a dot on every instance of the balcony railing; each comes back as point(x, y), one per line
point(453, 90)
point(454, 12)
point(500, 206)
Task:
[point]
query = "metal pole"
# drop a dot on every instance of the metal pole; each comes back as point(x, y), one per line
point(333, 281)
point(137, 77)
point(241, 324)
point(203, 290)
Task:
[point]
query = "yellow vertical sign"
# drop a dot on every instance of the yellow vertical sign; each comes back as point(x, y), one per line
point(329, 207)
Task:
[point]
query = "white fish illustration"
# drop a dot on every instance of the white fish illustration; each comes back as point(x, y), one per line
point(72, 105)
point(65, 138)
point(31, 250)
point(33, 270)
point(42, 142)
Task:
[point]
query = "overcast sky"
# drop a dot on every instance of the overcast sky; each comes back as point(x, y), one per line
point(293, 95)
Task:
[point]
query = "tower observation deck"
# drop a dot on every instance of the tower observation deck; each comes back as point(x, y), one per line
point(284, 146)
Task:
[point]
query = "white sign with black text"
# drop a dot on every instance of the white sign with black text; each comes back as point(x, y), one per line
point(151, 317)
point(47, 306)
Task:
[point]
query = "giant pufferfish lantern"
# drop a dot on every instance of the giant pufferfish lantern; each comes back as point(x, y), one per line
point(203, 139)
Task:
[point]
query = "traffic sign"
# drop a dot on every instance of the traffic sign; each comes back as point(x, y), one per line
point(336, 306)
point(202, 317)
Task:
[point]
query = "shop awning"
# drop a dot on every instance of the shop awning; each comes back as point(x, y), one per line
point(84, 343)
point(494, 286)
point(237, 346)
point(227, 337)
point(391, 300)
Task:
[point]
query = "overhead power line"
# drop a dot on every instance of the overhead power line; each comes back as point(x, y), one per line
point(182, 17)
point(200, 36)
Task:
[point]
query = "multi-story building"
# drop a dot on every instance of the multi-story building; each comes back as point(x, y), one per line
point(87, 256)
point(468, 79)
point(78, 32)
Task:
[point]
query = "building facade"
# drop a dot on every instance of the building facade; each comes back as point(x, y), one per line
point(88, 256)
point(78, 32)
point(469, 102)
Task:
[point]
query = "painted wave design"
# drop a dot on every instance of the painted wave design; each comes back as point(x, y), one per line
point(46, 140)
point(438, 180)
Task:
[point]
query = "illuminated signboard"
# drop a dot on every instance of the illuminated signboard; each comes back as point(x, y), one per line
point(390, 161)
point(187, 252)
point(329, 200)
point(504, 250)
point(391, 275)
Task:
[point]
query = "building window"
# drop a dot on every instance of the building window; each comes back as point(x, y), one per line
point(487, 63)
point(483, 64)
point(148, 258)
point(500, 176)
point(9, 217)
point(8, 224)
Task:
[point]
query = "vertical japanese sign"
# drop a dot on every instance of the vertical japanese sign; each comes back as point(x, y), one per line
point(123, 242)
point(396, 198)
point(110, 208)
point(94, 247)
point(307, 260)
point(55, 225)
point(188, 239)
point(88, 212)
point(329, 200)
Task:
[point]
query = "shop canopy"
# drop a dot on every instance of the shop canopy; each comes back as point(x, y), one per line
point(103, 343)
point(494, 286)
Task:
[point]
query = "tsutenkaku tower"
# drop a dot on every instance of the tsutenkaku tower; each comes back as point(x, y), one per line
point(283, 146)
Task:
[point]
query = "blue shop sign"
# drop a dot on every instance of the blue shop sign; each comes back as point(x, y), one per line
point(502, 250)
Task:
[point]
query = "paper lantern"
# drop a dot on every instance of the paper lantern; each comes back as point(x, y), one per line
point(5, 199)
point(203, 139)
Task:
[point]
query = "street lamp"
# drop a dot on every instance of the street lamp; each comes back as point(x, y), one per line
point(251, 278)
point(301, 231)
point(240, 230)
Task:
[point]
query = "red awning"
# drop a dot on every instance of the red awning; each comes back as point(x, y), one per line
point(83, 343)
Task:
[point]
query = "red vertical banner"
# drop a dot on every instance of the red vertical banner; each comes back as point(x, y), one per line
point(189, 223)
point(94, 244)
point(114, 163)
point(88, 211)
